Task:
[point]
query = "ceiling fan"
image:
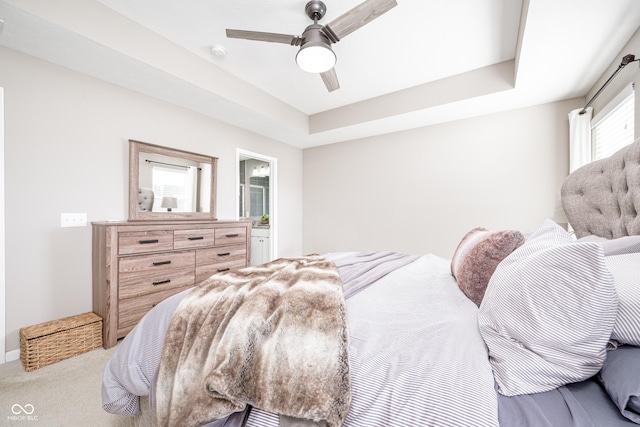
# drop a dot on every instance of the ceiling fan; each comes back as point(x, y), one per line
point(315, 54)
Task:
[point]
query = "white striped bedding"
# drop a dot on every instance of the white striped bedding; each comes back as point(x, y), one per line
point(626, 275)
point(416, 355)
point(548, 313)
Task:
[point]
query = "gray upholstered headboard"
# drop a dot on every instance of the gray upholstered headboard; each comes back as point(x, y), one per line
point(145, 199)
point(602, 198)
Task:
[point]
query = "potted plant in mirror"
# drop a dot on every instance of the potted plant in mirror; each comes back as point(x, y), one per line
point(264, 219)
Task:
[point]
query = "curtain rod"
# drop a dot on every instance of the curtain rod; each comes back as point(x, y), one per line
point(168, 164)
point(626, 60)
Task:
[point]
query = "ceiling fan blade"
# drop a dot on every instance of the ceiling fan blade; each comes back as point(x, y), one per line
point(263, 37)
point(357, 17)
point(330, 79)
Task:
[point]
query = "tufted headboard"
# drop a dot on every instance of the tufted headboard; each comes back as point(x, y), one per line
point(602, 198)
point(145, 199)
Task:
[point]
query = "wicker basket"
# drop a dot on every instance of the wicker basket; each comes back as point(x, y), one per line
point(51, 342)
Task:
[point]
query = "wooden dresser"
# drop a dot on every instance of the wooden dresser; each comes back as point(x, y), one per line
point(138, 264)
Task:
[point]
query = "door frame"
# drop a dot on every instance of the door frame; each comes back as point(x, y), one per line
point(3, 311)
point(273, 193)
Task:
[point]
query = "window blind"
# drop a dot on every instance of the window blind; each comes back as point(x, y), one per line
point(613, 128)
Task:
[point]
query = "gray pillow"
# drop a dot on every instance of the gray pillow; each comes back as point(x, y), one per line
point(477, 256)
point(626, 276)
point(619, 376)
point(548, 313)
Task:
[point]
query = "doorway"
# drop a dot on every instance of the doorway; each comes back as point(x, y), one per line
point(256, 196)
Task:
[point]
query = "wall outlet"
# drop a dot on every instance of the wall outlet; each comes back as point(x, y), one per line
point(73, 220)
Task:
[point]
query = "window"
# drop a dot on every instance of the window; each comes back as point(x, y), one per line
point(170, 181)
point(613, 127)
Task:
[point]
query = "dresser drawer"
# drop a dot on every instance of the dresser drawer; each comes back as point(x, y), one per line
point(186, 239)
point(215, 260)
point(133, 242)
point(231, 235)
point(144, 274)
point(131, 310)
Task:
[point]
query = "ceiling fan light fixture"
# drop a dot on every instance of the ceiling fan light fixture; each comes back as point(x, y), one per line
point(316, 57)
point(315, 54)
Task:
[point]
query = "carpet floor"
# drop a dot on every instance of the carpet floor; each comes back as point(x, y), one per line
point(64, 394)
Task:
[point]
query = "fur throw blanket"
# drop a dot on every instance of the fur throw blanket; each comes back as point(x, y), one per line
point(272, 336)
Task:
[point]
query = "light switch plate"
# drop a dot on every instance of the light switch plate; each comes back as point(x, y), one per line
point(73, 220)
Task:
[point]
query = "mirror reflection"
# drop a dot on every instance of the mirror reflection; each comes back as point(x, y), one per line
point(166, 183)
point(173, 184)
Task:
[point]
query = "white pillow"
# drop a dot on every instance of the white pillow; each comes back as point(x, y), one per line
point(626, 275)
point(618, 246)
point(548, 313)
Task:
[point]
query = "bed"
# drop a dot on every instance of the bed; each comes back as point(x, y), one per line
point(540, 330)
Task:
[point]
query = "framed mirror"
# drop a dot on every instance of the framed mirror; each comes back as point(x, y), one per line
point(169, 184)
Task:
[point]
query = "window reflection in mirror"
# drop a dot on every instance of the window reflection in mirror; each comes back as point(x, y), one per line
point(185, 180)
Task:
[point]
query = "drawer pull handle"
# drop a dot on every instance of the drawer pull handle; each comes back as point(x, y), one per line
point(162, 262)
point(144, 242)
point(162, 282)
point(220, 270)
point(232, 235)
point(196, 238)
point(224, 254)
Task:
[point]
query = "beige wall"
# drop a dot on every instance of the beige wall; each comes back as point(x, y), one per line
point(421, 190)
point(66, 151)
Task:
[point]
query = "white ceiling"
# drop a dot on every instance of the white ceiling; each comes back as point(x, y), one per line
point(423, 62)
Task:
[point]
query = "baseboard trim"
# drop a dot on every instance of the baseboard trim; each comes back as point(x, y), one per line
point(12, 355)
